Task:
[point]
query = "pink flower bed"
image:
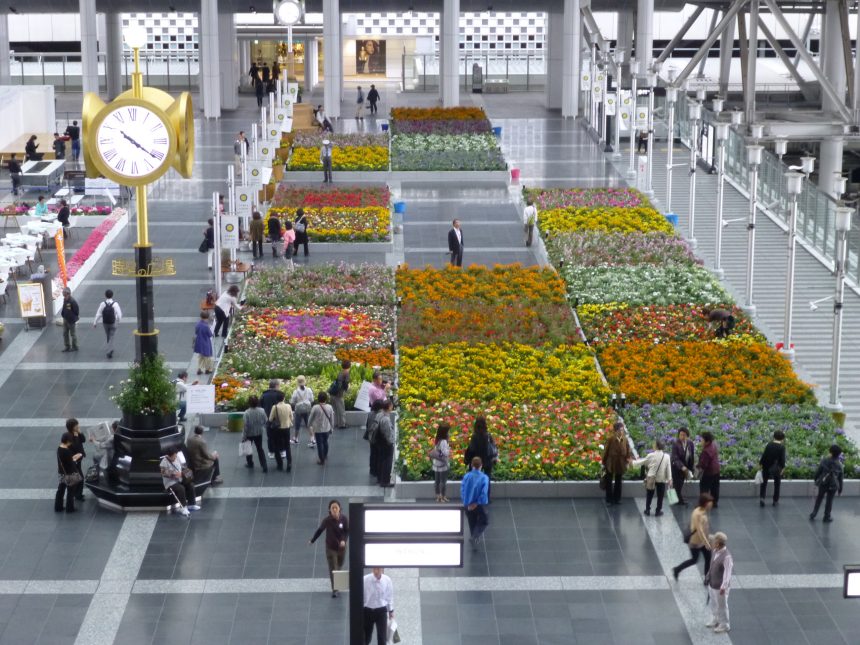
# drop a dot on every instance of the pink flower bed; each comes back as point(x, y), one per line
point(547, 198)
point(89, 247)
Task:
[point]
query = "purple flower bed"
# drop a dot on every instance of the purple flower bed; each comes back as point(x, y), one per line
point(546, 198)
point(599, 248)
point(304, 325)
point(459, 126)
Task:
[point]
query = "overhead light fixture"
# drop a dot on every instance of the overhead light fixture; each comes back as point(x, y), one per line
point(135, 36)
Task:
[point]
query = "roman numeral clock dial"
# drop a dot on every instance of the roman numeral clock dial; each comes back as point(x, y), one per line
point(134, 143)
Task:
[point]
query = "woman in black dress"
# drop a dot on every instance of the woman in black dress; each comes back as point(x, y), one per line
point(483, 445)
point(67, 463)
point(301, 228)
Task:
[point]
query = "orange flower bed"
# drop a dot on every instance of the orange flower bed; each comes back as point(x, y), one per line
point(496, 285)
point(373, 357)
point(736, 372)
point(439, 114)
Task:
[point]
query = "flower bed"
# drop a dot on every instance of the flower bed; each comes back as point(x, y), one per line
point(341, 223)
point(478, 322)
point(541, 441)
point(742, 432)
point(351, 140)
point(509, 372)
point(621, 323)
point(448, 126)
point(324, 284)
point(734, 371)
point(643, 285)
point(548, 198)
point(603, 218)
point(359, 158)
point(499, 284)
point(601, 248)
point(438, 114)
point(289, 195)
point(446, 152)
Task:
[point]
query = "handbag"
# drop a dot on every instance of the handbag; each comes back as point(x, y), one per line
point(672, 496)
point(603, 480)
point(70, 480)
point(759, 478)
point(245, 448)
point(651, 480)
point(204, 246)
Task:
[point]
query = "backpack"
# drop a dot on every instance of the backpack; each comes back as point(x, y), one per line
point(108, 314)
point(372, 427)
point(334, 388)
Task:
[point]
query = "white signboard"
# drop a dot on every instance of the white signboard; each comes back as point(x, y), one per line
point(642, 172)
point(229, 232)
point(282, 114)
point(413, 554)
point(851, 586)
point(265, 152)
point(413, 520)
point(610, 104)
point(584, 81)
point(291, 94)
point(200, 399)
point(255, 173)
point(244, 201)
point(362, 400)
point(31, 300)
point(273, 131)
point(597, 93)
point(641, 118)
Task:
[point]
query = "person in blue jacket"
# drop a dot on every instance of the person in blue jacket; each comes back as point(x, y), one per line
point(473, 493)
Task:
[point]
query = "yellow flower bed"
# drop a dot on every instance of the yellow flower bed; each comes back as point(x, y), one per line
point(612, 219)
point(340, 223)
point(508, 372)
point(369, 158)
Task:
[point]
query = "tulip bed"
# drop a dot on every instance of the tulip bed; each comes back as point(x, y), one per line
point(352, 152)
point(641, 298)
point(503, 342)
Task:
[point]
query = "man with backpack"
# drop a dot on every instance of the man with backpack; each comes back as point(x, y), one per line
point(828, 479)
point(109, 314)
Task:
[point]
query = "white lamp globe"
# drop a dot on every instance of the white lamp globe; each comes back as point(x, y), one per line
point(135, 36)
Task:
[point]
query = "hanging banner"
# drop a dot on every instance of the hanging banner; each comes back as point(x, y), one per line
point(229, 232)
point(291, 96)
point(641, 118)
point(60, 243)
point(584, 81)
point(255, 173)
point(273, 131)
point(265, 152)
point(610, 104)
point(244, 198)
point(597, 93)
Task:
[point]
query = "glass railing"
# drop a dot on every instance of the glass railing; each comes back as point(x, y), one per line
point(499, 72)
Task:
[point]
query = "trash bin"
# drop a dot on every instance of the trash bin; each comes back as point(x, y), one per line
point(400, 207)
point(384, 127)
point(673, 219)
point(235, 422)
point(515, 174)
point(497, 131)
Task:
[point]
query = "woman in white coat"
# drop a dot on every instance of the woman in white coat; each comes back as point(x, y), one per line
point(658, 473)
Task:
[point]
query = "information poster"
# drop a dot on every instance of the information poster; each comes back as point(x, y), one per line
point(370, 57)
point(200, 399)
point(229, 232)
point(362, 400)
point(31, 300)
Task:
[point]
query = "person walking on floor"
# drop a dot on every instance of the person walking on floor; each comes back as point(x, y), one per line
point(200, 458)
point(109, 314)
point(70, 314)
point(300, 225)
point(67, 470)
point(14, 173)
point(253, 422)
point(359, 104)
point(240, 143)
point(772, 464)
point(259, 90)
point(828, 478)
point(79, 443)
point(483, 445)
point(181, 388)
point(719, 579)
point(440, 456)
point(683, 459)
point(338, 391)
point(698, 540)
point(59, 146)
point(209, 243)
point(275, 234)
point(370, 428)
point(709, 465)
point(226, 304)
point(267, 401)
point(373, 98)
point(657, 475)
point(301, 400)
point(325, 160)
point(178, 482)
point(336, 527)
point(474, 493)
point(256, 231)
point(616, 456)
point(455, 243)
point(385, 445)
point(378, 605)
point(74, 133)
point(280, 422)
point(321, 424)
point(203, 344)
point(530, 217)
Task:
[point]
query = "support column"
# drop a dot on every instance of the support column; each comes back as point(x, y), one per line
point(644, 35)
point(113, 49)
point(554, 61)
point(571, 59)
point(244, 62)
point(833, 66)
point(449, 42)
point(727, 45)
point(624, 38)
point(752, 58)
point(210, 77)
point(228, 59)
point(5, 71)
point(89, 46)
point(333, 55)
point(312, 63)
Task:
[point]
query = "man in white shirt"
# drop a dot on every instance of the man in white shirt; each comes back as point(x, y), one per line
point(109, 314)
point(181, 391)
point(530, 217)
point(378, 605)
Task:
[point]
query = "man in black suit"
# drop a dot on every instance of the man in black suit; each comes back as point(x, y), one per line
point(455, 244)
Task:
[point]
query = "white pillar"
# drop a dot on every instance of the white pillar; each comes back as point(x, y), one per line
point(5, 71)
point(210, 78)
point(554, 60)
point(89, 46)
point(312, 63)
point(570, 60)
point(624, 37)
point(449, 42)
point(244, 61)
point(228, 59)
point(834, 69)
point(332, 58)
point(644, 35)
point(113, 51)
point(727, 45)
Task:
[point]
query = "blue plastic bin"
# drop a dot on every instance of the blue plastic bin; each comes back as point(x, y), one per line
point(400, 207)
point(497, 131)
point(673, 219)
point(384, 127)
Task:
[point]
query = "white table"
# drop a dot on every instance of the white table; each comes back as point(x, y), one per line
point(42, 173)
point(42, 228)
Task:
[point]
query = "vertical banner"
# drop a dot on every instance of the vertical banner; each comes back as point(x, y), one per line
point(625, 107)
point(291, 96)
point(244, 199)
point(584, 81)
point(229, 232)
point(265, 152)
point(641, 118)
point(60, 243)
point(610, 103)
point(255, 173)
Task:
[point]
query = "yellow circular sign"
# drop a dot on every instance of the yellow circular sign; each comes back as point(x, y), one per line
point(243, 197)
point(229, 228)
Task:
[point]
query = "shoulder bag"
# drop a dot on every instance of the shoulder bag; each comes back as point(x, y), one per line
point(651, 480)
point(69, 479)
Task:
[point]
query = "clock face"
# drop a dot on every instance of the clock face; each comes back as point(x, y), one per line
point(134, 142)
point(289, 13)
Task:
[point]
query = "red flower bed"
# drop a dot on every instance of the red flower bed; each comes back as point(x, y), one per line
point(319, 197)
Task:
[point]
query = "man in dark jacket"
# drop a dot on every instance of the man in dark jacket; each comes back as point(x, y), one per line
point(275, 234)
point(709, 464)
point(455, 244)
point(828, 479)
point(63, 217)
point(683, 459)
point(74, 134)
point(772, 464)
point(200, 458)
point(270, 397)
point(15, 173)
point(70, 314)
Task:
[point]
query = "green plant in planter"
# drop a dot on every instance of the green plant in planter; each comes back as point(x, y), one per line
point(148, 390)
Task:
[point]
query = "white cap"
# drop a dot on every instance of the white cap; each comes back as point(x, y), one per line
point(326, 142)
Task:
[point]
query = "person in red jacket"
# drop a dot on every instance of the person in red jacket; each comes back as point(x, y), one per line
point(709, 466)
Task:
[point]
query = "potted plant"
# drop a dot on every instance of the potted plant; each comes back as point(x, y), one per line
point(147, 398)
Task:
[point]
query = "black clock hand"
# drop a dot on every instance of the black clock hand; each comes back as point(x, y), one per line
point(134, 142)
